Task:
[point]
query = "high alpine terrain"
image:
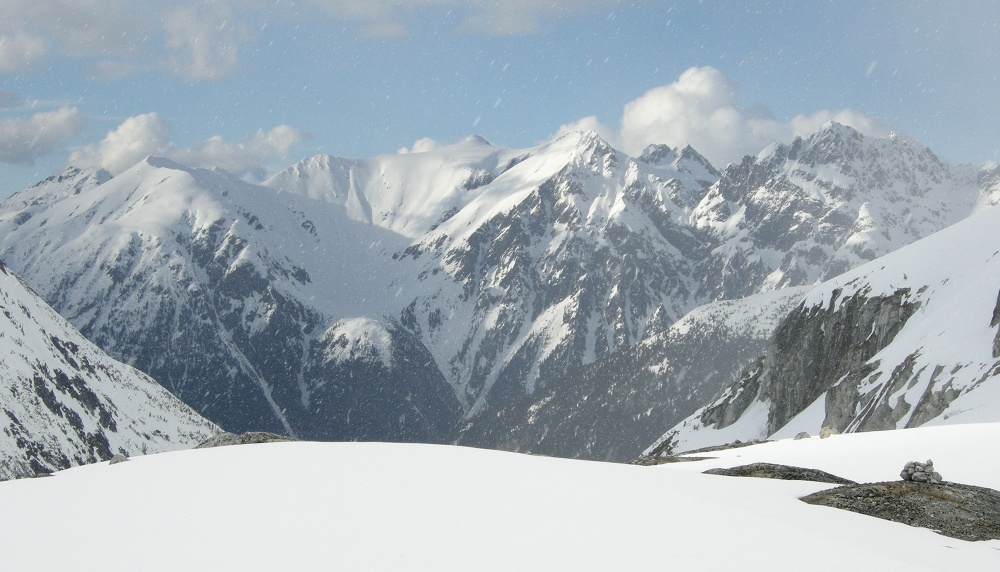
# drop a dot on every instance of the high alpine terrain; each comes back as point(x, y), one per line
point(907, 340)
point(64, 402)
point(403, 296)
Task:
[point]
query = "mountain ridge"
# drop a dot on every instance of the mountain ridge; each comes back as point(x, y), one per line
point(506, 270)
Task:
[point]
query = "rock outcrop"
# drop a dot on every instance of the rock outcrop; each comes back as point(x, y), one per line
point(960, 511)
point(782, 472)
point(249, 438)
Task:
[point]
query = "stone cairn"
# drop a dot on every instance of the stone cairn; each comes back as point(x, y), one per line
point(921, 472)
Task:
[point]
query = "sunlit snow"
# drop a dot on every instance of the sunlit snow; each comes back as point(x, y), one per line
point(351, 506)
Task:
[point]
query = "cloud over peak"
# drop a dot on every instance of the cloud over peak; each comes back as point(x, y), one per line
point(149, 134)
point(702, 109)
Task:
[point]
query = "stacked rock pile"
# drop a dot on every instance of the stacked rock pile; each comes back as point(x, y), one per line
point(921, 472)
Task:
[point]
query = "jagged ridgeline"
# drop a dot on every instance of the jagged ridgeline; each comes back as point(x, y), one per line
point(460, 292)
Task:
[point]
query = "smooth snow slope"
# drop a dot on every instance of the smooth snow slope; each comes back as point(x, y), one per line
point(351, 506)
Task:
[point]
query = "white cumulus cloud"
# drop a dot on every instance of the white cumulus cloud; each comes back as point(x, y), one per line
point(24, 139)
point(421, 145)
point(702, 109)
point(243, 158)
point(126, 145)
point(149, 134)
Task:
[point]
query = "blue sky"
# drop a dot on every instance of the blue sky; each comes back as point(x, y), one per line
point(254, 85)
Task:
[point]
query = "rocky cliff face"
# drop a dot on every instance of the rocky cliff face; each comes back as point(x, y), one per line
point(901, 342)
point(812, 348)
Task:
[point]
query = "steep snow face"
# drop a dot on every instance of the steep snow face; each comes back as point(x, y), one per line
point(220, 289)
point(351, 338)
point(907, 340)
point(406, 193)
point(686, 164)
point(568, 256)
point(64, 402)
point(796, 214)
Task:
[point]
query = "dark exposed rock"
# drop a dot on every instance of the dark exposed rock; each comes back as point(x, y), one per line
point(959, 511)
point(994, 322)
point(921, 472)
point(818, 349)
point(363, 389)
point(782, 472)
point(248, 438)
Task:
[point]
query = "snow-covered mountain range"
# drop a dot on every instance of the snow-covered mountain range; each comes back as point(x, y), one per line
point(391, 298)
point(64, 402)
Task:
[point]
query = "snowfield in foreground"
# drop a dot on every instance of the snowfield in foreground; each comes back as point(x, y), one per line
point(370, 506)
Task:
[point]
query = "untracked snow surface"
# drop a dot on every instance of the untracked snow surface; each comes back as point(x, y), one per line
point(364, 506)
